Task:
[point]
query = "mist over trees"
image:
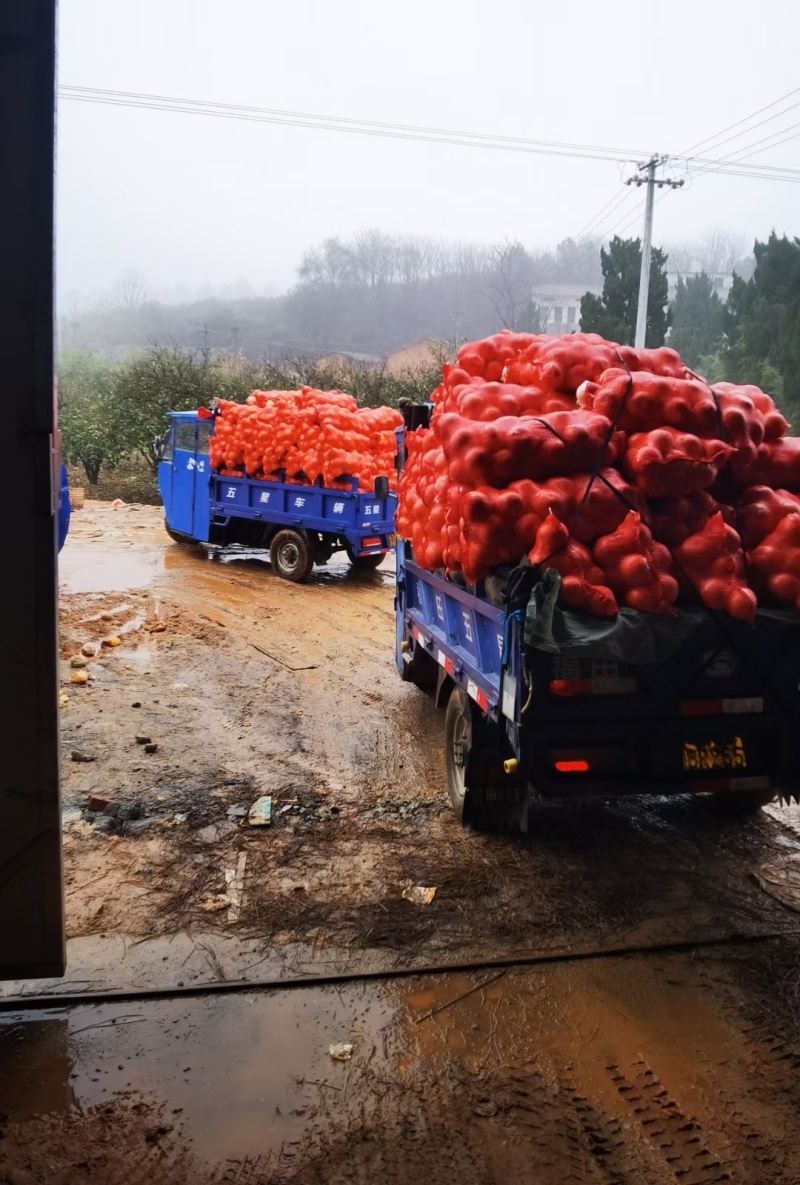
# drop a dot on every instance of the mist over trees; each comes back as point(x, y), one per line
point(367, 295)
point(698, 319)
point(126, 360)
point(372, 293)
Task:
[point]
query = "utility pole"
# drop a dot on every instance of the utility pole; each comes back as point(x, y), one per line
point(646, 175)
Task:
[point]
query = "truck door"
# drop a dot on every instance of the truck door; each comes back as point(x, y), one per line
point(202, 498)
point(184, 470)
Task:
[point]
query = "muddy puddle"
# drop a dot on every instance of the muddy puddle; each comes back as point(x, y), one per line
point(111, 569)
point(625, 1072)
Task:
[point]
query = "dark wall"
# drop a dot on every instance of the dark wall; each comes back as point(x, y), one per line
point(31, 892)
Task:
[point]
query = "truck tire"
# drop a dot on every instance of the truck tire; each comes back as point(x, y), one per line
point(366, 563)
point(458, 742)
point(741, 803)
point(290, 555)
point(494, 800)
point(177, 537)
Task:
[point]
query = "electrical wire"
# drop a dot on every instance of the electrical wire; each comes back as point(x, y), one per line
point(632, 221)
point(686, 152)
point(395, 131)
point(737, 156)
point(735, 159)
point(761, 122)
point(590, 230)
point(341, 123)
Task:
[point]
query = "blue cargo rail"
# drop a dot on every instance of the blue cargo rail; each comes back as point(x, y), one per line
point(299, 525)
point(710, 710)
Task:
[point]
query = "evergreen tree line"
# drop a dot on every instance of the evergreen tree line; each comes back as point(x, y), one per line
point(752, 337)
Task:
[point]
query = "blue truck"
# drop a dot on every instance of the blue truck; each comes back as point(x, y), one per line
point(541, 702)
point(64, 509)
point(300, 525)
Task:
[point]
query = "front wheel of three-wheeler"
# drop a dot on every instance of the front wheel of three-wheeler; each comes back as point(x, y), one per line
point(458, 743)
point(291, 556)
point(366, 563)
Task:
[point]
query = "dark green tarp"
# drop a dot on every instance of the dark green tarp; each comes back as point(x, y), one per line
point(643, 638)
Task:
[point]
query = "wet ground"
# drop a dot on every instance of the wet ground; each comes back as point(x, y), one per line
point(657, 1040)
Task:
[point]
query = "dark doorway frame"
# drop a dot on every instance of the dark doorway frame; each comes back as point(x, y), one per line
point(31, 880)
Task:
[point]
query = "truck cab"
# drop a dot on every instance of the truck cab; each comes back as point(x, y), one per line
point(184, 475)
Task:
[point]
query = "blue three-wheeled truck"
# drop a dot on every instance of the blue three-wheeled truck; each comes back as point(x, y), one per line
point(544, 702)
point(300, 525)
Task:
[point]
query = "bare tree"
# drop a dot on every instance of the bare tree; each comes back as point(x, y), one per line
point(719, 250)
point(508, 282)
point(327, 266)
point(130, 291)
point(373, 258)
point(411, 259)
point(681, 256)
point(716, 251)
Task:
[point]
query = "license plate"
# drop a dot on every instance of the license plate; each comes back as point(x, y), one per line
point(393, 541)
point(714, 755)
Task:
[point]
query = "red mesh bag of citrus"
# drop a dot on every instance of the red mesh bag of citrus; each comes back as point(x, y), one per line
point(584, 454)
point(302, 436)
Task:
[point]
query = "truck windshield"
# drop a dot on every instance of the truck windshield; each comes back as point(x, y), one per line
point(184, 435)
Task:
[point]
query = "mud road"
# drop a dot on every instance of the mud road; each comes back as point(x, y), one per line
point(647, 1034)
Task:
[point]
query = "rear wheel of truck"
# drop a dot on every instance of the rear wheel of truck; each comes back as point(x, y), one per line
point(366, 563)
point(458, 743)
point(741, 803)
point(291, 556)
point(493, 800)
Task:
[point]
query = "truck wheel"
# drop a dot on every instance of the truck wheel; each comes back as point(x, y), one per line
point(741, 803)
point(458, 742)
point(177, 537)
point(366, 563)
point(291, 556)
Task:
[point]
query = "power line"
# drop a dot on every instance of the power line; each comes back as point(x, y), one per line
point(338, 119)
point(637, 215)
point(747, 150)
point(338, 123)
point(628, 218)
point(590, 228)
point(584, 229)
point(739, 122)
point(372, 128)
point(753, 127)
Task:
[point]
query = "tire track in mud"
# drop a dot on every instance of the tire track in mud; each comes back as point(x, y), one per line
point(679, 1139)
point(518, 1128)
point(753, 1145)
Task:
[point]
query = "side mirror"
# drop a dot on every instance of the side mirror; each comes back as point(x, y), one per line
point(158, 446)
point(381, 487)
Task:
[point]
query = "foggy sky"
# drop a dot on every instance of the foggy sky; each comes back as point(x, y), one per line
point(192, 201)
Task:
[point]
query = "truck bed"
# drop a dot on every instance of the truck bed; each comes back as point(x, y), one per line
point(314, 508)
point(697, 702)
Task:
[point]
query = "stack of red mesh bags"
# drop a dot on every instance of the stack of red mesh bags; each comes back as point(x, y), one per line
point(639, 482)
point(303, 436)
